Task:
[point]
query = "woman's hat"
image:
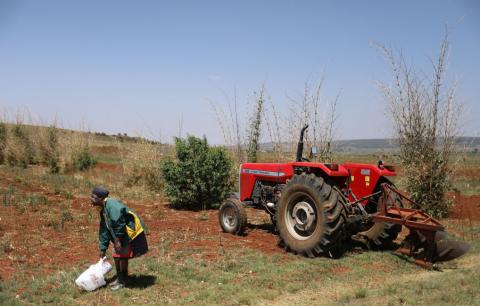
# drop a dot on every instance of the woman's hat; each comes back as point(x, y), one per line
point(100, 192)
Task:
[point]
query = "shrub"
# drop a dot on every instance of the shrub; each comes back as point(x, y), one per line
point(19, 147)
point(49, 149)
point(3, 141)
point(200, 175)
point(77, 154)
point(83, 159)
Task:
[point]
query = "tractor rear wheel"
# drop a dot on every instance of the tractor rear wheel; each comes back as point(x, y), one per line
point(232, 217)
point(311, 217)
point(381, 235)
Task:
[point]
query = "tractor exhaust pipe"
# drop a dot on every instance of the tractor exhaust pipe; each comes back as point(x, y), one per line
point(300, 144)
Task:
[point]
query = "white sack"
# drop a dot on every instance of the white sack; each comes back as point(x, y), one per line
point(94, 276)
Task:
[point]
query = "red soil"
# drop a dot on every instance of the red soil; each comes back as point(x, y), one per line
point(466, 207)
point(31, 243)
point(113, 168)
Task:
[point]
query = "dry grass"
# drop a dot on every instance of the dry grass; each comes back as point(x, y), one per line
point(141, 165)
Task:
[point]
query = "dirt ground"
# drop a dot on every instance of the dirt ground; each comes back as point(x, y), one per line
point(465, 207)
point(31, 243)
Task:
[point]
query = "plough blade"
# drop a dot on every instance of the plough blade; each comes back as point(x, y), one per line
point(428, 248)
point(450, 249)
point(426, 242)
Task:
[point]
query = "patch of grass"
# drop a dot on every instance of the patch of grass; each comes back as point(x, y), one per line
point(6, 245)
point(65, 184)
point(9, 195)
point(240, 277)
point(360, 293)
point(203, 217)
point(53, 222)
point(109, 159)
point(453, 287)
point(35, 200)
point(67, 195)
point(467, 185)
point(31, 202)
point(66, 214)
point(57, 220)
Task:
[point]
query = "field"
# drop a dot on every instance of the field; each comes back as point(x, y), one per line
point(49, 234)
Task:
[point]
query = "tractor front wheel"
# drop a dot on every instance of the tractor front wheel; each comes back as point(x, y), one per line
point(311, 217)
point(232, 217)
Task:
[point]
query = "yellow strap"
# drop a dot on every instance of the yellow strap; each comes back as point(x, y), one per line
point(132, 233)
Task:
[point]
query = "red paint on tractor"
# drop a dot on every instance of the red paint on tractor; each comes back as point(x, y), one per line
point(364, 178)
point(279, 173)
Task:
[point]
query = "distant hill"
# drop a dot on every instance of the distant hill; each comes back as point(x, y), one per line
point(469, 144)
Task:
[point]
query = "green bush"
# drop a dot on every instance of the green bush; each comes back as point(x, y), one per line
point(199, 178)
point(83, 159)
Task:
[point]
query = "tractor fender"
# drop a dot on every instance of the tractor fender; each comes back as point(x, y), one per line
point(364, 178)
point(277, 173)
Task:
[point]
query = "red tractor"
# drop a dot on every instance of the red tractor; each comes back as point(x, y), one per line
point(319, 208)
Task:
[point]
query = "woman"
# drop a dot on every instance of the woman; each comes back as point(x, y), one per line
point(121, 226)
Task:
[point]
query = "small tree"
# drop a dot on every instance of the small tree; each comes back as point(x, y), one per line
point(253, 138)
point(199, 178)
point(425, 116)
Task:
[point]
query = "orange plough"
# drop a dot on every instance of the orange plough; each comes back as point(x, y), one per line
point(426, 241)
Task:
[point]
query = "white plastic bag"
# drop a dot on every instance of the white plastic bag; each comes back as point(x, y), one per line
point(94, 276)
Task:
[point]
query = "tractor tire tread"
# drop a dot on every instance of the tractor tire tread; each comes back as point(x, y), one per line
point(333, 217)
point(241, 216)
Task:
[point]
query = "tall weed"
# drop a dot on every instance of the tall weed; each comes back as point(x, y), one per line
point(49, 148)
point(20, 150)
point(78, 155)
point(3, 141)
point(141, 165)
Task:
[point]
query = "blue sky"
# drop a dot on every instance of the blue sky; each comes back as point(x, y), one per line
point(145, 66)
